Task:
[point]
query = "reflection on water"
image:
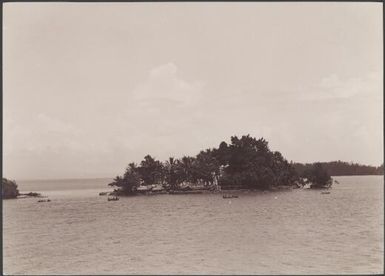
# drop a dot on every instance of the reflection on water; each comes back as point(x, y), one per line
point(288, 232)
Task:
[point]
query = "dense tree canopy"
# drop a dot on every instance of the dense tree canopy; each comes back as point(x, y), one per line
point(150, 170)
point(9, 189)
point(171, 173)
point(249, 163)
point(246, 162)
point(337, 168)
point(318, 177)
point(206, 167)
point(130, 181)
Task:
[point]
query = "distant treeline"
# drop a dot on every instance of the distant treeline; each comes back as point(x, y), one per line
point(339, 168)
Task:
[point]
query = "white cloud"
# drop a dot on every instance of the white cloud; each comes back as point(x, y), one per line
point(334, 87)
point(40, 133)
point(164, 84)
point(50, 124)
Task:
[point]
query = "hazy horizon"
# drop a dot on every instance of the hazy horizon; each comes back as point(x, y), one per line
point(90, 87)
point(121, 172)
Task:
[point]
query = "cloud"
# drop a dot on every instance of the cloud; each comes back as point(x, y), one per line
point(158, 110)
point(166, 115)
point(164, 105)
point(164, 85)
point(45, 146)
point(42, 132)
point(341, 118)
point(50, 124)
point(334, 87)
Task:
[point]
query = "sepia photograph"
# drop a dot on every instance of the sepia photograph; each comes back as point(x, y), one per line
point(192, 138)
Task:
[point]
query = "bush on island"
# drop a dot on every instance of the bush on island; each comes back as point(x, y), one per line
point(9, 189)
point(129, 182)
point(318, 177)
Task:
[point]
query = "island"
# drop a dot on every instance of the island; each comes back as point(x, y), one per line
point(245, 163)
point(9, 189)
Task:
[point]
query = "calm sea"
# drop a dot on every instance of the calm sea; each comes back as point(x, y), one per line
point(286, 232)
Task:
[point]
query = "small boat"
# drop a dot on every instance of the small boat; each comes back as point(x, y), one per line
point(325, 193)
point(115, 198)
point(185, 192)
point(230, 196)
point(44, 200)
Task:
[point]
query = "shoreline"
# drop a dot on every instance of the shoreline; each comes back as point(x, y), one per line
point(199, 191)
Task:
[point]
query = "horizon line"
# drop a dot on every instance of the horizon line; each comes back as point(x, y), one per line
point(111, 177)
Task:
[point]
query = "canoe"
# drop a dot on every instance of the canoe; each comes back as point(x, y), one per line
point(230, 196)
point(185, 192)
point(44, 200)
point(113, 199)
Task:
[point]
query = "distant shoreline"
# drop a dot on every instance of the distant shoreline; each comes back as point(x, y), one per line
point(61, 179)
point(343, 168)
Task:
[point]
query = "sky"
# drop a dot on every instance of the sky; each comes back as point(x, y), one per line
point(90, 87)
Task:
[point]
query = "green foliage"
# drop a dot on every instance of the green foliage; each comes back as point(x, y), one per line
point(245, 163)
point(206, 167)
point(248, 163)
point(185, 169)
point(9, 189)
point(129, 182)
point(151, 170)
point(339, 168)
point(318, 177)
point(171, 173)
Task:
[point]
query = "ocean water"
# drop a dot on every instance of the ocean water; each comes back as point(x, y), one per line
point(285, 232)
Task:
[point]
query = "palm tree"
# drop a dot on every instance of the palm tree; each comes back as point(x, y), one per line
point(171, 172)
point(186, 168)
